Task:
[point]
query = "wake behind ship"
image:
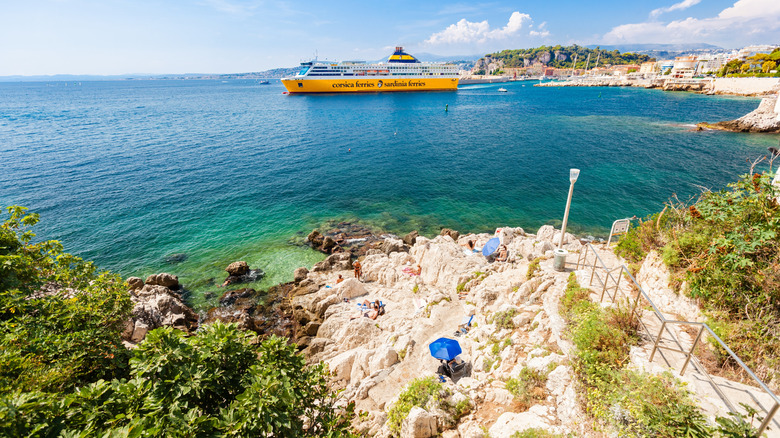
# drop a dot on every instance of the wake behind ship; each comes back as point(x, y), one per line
point(401, 72)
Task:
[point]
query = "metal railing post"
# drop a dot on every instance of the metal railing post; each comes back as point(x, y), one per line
point(657, 340)
point(690, 353)
point(767, 419)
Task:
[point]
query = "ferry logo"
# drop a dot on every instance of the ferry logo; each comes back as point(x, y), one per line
point(379, 84)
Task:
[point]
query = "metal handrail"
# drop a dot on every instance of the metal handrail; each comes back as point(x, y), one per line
point(690, 356)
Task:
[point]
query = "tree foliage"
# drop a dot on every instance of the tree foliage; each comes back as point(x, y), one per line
point(563, 56)
point(60, 319)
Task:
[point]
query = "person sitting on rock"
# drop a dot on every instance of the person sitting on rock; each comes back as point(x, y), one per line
point(340, 279)
point(502, 254)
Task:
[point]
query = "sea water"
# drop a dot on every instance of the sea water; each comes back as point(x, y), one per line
point(131, 173)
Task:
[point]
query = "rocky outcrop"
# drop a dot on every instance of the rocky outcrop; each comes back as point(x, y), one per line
point(239, 272)
point(372, 360)
point(350, 237)
point(765, 118)
point(164, 279)
point(264, 312)
point(157, 305)
point(448, 232)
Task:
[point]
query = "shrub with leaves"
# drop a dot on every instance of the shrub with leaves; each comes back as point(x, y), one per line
point(60, 319)
point(419, 392)
point(503, 319)
point(726, 247)
point(218, 383)
point(528, 386)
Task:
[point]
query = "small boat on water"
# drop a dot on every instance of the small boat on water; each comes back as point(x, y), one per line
point(502, 90)
point(263, 83)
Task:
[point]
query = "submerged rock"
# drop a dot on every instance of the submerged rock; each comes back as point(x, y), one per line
point(176, 258)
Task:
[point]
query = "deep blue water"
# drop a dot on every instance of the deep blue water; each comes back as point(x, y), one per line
point(128, 172)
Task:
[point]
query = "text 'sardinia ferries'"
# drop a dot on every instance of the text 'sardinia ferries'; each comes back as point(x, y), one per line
point(401, 72)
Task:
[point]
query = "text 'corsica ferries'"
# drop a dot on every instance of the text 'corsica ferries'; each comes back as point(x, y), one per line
point(401, 72)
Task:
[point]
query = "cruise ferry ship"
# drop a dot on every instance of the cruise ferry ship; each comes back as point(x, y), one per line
point(401, 72)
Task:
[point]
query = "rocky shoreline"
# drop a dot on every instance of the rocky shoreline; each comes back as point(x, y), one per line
point(765, 119)
point(746, 87)
point(515, 327)
point(372, 360)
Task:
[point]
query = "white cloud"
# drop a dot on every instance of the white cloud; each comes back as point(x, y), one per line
point(685, 4)
point(542, 32)
point(744, 22)
point(465, 31)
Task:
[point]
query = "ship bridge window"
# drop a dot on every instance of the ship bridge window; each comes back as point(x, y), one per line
point(303, 70)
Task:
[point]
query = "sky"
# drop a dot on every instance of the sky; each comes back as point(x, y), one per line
point(108, 37)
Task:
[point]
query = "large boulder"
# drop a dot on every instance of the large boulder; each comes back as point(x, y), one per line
point(546, 232)
point(419, 424)
point(383, 358)
point(509, 422)
point(411, 238)
point(163, 279)
point(238, 269)
point(300, 274)
point(134, 283)
point(157, 306)
point(336, 262)
point(350, 288)
point(392, 245)
point(449, 232)
point(328, 243)
point(315, 238)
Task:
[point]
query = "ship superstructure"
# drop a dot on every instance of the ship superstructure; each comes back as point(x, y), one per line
point(401, 72)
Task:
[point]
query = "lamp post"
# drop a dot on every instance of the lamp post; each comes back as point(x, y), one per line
point(559, 263)
point(573, 174)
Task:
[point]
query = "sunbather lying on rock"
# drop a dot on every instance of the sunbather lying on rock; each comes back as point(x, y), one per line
point(374, 310)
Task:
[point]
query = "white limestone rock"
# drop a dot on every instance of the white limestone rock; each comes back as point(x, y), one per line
point(509, 423)
point(419, 424)
point(383, 358)
point(350, 288)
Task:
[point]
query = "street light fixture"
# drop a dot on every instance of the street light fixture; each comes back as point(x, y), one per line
point(573, 175)
point(559, 262)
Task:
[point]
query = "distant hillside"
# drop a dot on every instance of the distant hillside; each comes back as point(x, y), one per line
point(665, 51)
point(563, 56)
point(267, 74)
point(644, 48)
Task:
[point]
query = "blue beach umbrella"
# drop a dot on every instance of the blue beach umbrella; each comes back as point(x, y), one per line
point(491, 246)
point(445, 348)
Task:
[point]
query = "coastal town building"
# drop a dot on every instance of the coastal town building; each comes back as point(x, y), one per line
point(684, 66)
point(648, 68)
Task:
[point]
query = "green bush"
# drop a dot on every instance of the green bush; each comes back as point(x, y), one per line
point(535, 432)
point(576, 299)
point(417, 393)
point(528, 386)
point(726, 247)
point(503, 319)
point(632, 403)
point(215, 384)
point(533, 267)
point(58, 340)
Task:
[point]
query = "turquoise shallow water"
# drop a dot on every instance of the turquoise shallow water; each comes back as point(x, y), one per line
point(126, 173)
